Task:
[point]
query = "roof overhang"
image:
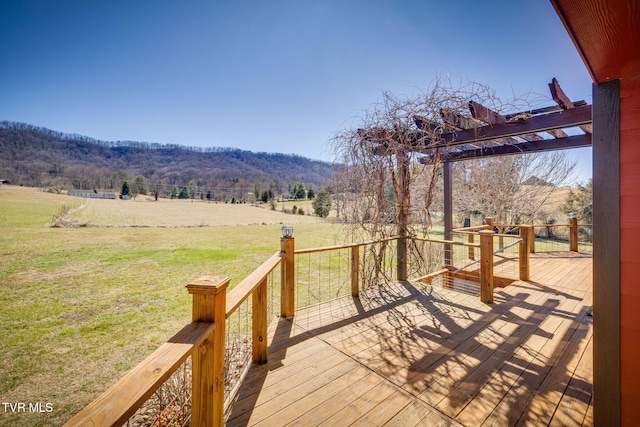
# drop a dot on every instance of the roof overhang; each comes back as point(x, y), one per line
point(606, 33)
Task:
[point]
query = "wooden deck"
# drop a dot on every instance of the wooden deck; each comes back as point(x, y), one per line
point(411, 354)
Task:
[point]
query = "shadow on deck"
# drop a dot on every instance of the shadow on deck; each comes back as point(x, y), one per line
point(411, 354)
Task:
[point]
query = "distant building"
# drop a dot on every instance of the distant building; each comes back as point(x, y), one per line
point(93, 194)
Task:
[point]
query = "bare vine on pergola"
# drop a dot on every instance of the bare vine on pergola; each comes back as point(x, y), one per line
point(382, 189)
point(390, 136)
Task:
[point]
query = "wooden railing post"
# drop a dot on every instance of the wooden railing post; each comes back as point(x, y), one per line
point(472, 250)
point(532, 240)
point(355, 271)
point(489, 221)
point(486, 266)
point(259, 322)
point(525, 235)
point(287, 277)
point(209, 305)
point(573, 234)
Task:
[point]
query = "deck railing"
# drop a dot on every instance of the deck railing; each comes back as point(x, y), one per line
point(374, 262)
point(557, 237)
point(207, 340)
point(329, 272)
point(204, 339)
point(571, 236)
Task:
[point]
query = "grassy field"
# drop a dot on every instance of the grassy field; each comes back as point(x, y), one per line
point(80, 306)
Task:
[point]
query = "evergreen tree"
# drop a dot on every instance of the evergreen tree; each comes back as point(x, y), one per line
point(140, 185)
point(298, 190)
point(322, 204)
point(184, 193)
point(580, 203)
point(126, 191)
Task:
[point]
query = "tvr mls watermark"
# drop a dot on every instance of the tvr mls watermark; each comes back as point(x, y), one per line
point(26, 407)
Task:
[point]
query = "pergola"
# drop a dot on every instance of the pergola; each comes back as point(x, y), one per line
point(484, 133)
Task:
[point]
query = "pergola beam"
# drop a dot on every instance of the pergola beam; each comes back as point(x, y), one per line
point(577, 141)
point(558, 120)
point(462, 137)
point(559, 96)
point(551, 122)
point(557, 133)
point(425, 124)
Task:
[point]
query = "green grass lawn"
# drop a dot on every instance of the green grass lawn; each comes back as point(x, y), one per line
point(80, 306)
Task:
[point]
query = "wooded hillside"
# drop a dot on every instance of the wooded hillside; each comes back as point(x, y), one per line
point(40, 157)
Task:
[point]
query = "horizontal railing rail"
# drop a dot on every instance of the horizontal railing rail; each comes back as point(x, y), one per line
point(122, 400)
point(448, 242)
point(471, 229)
point(345, 246)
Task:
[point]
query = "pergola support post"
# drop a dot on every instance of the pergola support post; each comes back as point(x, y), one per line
point(448, 211)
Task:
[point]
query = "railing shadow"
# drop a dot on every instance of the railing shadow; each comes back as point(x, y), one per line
point(253, 381)
point(455, 331)
point(446, 349)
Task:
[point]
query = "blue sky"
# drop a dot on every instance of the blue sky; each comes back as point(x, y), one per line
point(275, 76)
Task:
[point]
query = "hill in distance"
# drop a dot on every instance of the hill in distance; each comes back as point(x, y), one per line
point(39, 157)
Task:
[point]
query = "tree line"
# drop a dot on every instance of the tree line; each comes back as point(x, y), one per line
point(5, 124)
point(56, 161)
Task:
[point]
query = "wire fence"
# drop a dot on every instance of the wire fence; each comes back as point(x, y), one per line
point(425, 257)
point(322, 276)
point(556, 238)
point(378, 262)
point(170, 405)
point(238, 349)
point(239, 338)
point(438, 261)
point(506, 251)
point(325, 274)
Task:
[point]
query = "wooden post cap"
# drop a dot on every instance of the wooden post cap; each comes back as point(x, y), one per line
point(485, 232)
point(209, 285)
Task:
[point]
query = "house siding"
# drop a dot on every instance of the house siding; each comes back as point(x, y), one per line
point(630, 248)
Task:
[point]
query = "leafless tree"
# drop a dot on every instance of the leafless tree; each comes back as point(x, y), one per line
point(512, 189)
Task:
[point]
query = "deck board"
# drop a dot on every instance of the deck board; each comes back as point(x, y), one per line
point(412, 354)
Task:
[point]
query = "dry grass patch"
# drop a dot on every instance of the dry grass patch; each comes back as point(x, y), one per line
point(180, 213)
